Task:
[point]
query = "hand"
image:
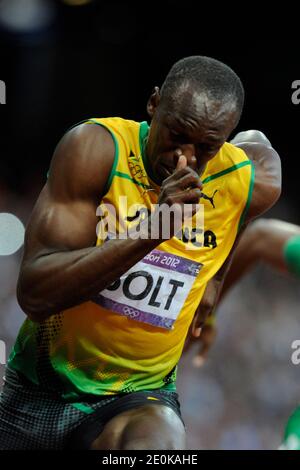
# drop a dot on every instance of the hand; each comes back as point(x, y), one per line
point(203, 327)
point(181, 188)
point(204, 342)
point(207, 339)
point(206, 307)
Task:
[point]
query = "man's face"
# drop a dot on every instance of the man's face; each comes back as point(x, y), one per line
point(192, 123)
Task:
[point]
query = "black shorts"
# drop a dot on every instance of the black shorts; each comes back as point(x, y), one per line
point(34, 418)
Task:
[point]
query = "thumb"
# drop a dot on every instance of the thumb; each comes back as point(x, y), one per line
point(182, 162)
point(196, 326)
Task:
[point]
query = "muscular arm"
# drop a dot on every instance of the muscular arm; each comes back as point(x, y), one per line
point(267, 186)
point(267, 189)
point(61, 266)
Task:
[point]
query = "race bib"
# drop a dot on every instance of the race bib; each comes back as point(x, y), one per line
point(153, 291)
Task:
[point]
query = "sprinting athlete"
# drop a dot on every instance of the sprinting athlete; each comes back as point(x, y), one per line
point(94, 364)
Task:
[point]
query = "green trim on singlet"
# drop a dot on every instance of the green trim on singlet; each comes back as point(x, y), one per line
point(227, 170)
point(120, 174)
point(82, 407)
point(250, 193)
point(144, 130)
point(23, 356)
point(291, 253)
point(116, 156)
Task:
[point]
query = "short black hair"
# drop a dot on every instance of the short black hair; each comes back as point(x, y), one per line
point(209, 76)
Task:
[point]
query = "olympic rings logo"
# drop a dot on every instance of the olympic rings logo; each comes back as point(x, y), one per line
point(136, 170)
point(131, 312)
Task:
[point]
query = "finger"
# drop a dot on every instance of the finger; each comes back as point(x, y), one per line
point(187, 196)
point(181, 173)
point(201, 357)
point(183, 178)
point(198, 361)
point(191, 159)
point(196, 326)
point(197, 332)
point(182, 162)
point(190, 180)
point(177, 154)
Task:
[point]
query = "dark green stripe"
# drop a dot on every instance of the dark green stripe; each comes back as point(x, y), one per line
point(116, 157)
point(82, 407)
point(144, 130)
point(291, 252)
point(228, 170)
point(127, 177)
point(251, 186)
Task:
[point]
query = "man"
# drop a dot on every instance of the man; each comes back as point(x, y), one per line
point(95, 362)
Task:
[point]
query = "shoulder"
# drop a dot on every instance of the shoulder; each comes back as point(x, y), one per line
point(267, 166)
point(82, 162)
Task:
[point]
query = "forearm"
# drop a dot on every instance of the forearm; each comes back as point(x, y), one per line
point(61, 280)
point(263, 241)
point(248, 252)
point(211, 296)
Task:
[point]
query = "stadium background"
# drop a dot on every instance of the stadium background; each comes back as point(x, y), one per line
point(62, 63)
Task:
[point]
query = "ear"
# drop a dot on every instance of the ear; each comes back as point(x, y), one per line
point(153, 102)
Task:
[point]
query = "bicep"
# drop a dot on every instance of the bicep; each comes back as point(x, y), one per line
point(64, 217)
point(60, 226)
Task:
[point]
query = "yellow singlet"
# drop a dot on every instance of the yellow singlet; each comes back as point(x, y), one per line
point(130, 336)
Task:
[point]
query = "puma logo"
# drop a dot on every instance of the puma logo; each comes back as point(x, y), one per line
point(210, 198)
point(139, 213)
